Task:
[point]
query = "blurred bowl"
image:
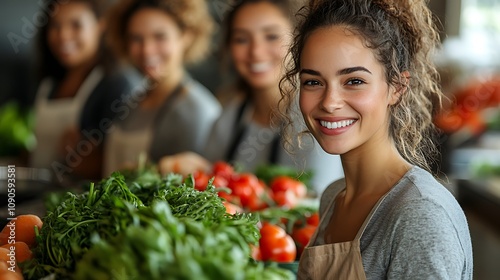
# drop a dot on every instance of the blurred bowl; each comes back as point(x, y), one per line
point(292, 266)
point(29, 183)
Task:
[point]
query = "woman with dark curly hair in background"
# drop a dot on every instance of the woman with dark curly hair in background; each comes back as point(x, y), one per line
point(255, 42)
point(79, 82)
point(174, 113)
point(367, 86)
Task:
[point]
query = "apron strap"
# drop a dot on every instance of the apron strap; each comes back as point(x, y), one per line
point(241, 127)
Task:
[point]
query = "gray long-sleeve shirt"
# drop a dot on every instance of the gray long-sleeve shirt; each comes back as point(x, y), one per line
point(418, 231)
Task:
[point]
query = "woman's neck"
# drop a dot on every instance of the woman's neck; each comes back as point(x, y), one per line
point(373, 169)
point(264, 102)
point(73, 79)
point(161, 90)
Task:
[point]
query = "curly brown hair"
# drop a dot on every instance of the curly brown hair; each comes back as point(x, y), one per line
point(403, 37)
point(190, 15)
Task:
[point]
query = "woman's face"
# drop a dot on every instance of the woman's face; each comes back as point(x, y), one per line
point(155, 43)
point(74, 34)
point(344, 96)
point(260, 37)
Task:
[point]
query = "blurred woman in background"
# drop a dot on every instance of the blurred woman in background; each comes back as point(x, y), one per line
point(257, 34)
point(174, 113)
point(79, 83)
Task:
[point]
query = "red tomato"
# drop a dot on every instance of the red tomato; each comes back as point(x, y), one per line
point(284, 183)
point(200, 180)
point(275, 245)
point(313, 219)
point(223, 169)
point(229, 197)
point(246, 186)
point(219, 181)
point(302, 235)
point(232, 208)
point(287, 199)
point(258, 202)
point(255, 252)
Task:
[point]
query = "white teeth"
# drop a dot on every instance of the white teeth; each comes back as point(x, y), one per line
point(260, 67)
point(334, 125)
point(68, 47)
point(152, 61)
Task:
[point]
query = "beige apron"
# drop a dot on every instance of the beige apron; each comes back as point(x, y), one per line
point(54, 117)
point(334, 261)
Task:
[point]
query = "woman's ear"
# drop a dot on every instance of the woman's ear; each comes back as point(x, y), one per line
point(400, 89)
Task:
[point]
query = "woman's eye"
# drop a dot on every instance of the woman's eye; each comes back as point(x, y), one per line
point(311, 83)
point(134, 39)
point(272, 37)
point(239, 40)
point(355, 82)
point(161, 37)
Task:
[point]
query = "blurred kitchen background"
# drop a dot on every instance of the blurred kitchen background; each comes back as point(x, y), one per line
point(469, 63)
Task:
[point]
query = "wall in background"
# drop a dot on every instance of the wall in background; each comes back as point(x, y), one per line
point(18, 53)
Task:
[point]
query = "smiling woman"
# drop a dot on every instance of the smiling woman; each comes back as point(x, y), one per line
point(256, 38)
point(174, 112)
point(78, 82)
point(366, 86)
point(258, 34)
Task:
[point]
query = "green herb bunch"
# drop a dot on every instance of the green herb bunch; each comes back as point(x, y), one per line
point(65, 235)
point(125, 228)
point(163, 246)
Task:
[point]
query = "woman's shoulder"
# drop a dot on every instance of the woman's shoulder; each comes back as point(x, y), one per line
point(418, 195)
point(196, 91)
point(420, 185)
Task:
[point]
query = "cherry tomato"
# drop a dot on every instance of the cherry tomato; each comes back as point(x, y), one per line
point(223, 169)
point(246, 186)
point(200, 180)
point(229, 197)
point(313, 219)
point(302, 235)
point(255, 252)
point(219, 181)
point(276, 245)
point(284, 183)
point(287, 199)
point(232, 208)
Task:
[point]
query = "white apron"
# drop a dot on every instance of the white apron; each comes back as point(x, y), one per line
point(54, 117)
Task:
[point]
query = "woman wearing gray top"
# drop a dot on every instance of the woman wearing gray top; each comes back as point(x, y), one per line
point(257, 34)
point(367, 87)
point(171, 112)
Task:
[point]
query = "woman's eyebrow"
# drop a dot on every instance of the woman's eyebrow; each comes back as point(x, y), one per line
point(310, 72)
point(341, 72)
point(350, 70)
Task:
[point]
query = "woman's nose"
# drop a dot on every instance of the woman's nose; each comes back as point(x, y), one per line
point(148, 48)
point(332, 100)
point(257, 49)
